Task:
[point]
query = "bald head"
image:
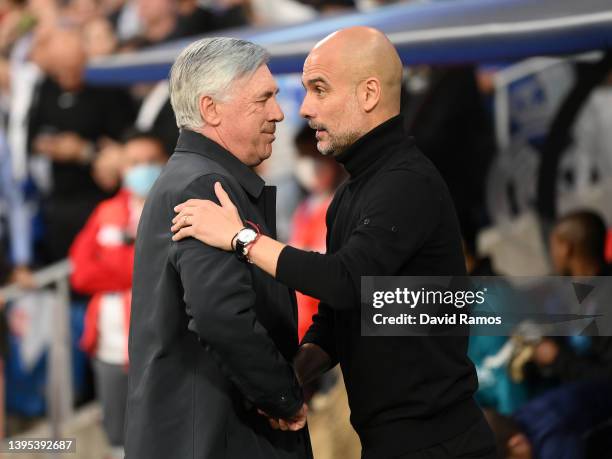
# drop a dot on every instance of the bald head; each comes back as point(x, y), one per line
point(353, 81)
point(361, 53)
point(66, 56)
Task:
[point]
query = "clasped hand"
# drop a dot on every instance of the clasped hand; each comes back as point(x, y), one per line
point(295, 423)
point(213, 224)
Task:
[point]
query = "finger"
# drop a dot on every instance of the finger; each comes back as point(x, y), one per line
point(185, 222)
point(274, 423)
point(223, 197)
point(295, 426)
point(183, 233)
point(283, 425)
point(188, 203)
point(181, 216)
point(182, 222)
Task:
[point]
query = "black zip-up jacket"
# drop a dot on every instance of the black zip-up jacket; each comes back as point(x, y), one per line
point(393, 217)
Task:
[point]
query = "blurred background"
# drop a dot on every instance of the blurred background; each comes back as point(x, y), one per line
point(511, 99)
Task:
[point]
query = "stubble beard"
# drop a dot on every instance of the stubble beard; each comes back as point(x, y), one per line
point(338, 143)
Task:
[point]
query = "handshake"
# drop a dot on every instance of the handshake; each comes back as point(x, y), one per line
point(309, 363)
point(295, 423)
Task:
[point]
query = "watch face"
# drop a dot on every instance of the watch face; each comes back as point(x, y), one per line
point(246, 236)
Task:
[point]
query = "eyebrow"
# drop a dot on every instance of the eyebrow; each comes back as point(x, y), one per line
point(316, 80)
point(268, 94)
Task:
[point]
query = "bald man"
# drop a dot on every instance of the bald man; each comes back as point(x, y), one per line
point(410, 397)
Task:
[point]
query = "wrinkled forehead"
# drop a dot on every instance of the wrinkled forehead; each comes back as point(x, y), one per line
point(322, 64)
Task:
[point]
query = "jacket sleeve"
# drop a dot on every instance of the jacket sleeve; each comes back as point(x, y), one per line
point(321, 332)
point(96, 268)
point(219, 299)
point(400, 213)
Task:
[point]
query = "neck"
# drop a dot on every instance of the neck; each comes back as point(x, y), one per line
point(378, 119)
point(213, 134)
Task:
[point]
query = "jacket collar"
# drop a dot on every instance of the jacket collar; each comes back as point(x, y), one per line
point(194, 142)
point(373, 146)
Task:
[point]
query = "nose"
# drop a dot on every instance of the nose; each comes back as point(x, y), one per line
point(306, 108)
point(276, 113)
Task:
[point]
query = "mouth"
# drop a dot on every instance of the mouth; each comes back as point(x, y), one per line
point(319, 129)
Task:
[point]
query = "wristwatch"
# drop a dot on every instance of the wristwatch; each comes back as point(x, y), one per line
point(244, 238)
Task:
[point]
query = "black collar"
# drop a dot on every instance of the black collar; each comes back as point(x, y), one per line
point(373, 146)
point(197, 143)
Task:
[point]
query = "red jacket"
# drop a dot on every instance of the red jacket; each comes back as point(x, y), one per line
point(308, 230)
point(102, 262)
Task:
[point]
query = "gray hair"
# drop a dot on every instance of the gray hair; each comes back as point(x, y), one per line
point(209, 67)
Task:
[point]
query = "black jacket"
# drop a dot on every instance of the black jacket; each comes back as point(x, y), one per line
point(210, 336)
point(393, 217)
point(93, 113)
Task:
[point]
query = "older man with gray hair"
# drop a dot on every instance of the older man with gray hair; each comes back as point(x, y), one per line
point(211, 337)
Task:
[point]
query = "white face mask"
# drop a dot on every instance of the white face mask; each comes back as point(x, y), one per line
point(306, 172)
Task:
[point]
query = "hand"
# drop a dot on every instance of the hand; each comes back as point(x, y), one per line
point(546, 352)
point(519, 447)
point(206, 221)
point(295, 423)
point(63, 147)
point(23, 277)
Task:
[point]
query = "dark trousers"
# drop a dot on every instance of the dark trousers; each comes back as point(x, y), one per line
point(475, 443)
point(111, 387)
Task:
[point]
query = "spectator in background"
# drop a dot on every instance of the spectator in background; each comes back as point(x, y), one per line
point(99, 38)
point(577, 249)
point(331, 6)
point(80, 12)
point(448, 100)
point(17, 234)
point(103, 256)
point(490, 354)
point(320, 176)
point(558, 422)
point(165, 20)
point(67, 123)
point(270, 12)
point(158, 19)
point(15, 20)
point(197, 17)
point(14, 263)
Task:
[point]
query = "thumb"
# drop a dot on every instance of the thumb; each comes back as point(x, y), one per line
point(222, 196)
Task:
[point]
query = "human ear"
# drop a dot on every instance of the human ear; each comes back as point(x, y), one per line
point(370, 92)
point(209, 111)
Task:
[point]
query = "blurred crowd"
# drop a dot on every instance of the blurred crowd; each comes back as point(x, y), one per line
point(549, 397)
point(77, 161)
